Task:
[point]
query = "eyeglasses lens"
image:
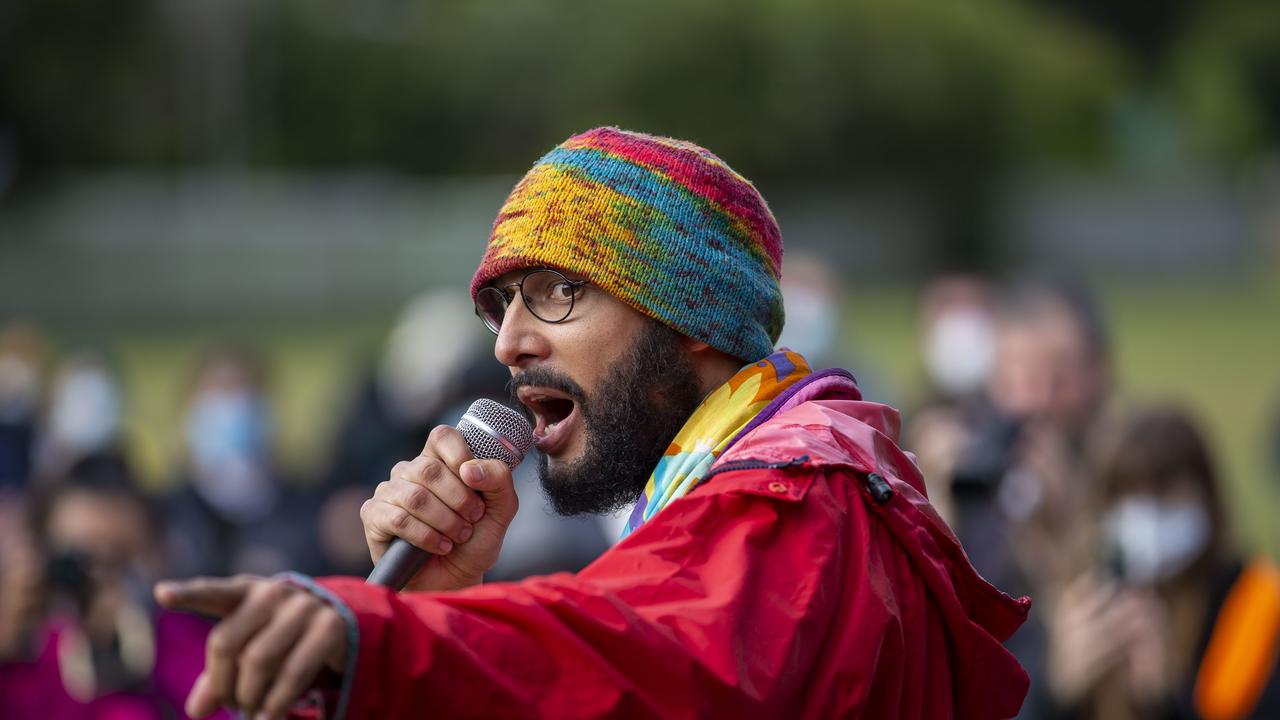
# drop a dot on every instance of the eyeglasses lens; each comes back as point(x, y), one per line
point(491, 305)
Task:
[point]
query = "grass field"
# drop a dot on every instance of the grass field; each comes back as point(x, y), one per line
point(1212, 347)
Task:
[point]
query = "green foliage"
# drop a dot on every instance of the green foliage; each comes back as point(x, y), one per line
point(84, 82)
point(1226, 71)
point(951, 93)
point(813, 87)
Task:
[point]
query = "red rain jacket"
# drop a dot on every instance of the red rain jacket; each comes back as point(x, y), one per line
point(807, 576)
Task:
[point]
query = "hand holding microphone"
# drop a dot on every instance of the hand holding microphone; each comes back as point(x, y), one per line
point(454, 501)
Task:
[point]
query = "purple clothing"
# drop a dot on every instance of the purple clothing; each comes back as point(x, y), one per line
point(34, 690)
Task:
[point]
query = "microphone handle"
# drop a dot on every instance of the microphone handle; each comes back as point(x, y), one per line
point(398, 565)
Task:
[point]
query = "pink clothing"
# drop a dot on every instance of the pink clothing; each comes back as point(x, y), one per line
point(35, 690)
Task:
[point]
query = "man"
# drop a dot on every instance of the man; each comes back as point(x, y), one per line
point(781, 560)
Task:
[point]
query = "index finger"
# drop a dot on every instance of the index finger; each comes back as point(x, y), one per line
point(208, 596)
point(447, 444)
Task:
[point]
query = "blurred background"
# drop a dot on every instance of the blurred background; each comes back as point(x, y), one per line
point(234, 235)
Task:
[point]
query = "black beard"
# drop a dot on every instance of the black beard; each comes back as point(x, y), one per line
point(642, 402)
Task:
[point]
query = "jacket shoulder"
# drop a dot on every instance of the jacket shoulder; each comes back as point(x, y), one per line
point(841, 435)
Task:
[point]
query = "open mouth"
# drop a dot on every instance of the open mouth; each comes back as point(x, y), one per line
point(554, 415)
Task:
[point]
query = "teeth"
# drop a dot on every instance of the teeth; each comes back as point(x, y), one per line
point(552, 426)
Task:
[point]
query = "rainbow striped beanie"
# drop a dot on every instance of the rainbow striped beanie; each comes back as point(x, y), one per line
point(663, 225)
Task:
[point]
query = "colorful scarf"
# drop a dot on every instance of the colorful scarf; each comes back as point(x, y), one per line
point(711, 429)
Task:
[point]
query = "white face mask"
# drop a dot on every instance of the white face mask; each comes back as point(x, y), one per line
point(84, 415)
point(812, 327)
point(959, 348)
point(228, 436)
point(1156, 539)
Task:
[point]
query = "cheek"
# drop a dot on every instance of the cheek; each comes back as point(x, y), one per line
point(103, 530)
point(1019, 387)
point(587, 351)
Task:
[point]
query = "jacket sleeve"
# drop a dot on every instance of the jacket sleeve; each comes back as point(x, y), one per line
point(720, 603)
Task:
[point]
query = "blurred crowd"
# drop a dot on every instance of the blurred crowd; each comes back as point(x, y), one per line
point(1111, 516)
point(82, 541)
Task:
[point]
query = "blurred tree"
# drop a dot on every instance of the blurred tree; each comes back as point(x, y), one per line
point(83, 83)
point(1147, 28)
point(944, 96)
point(812, 87)
point(1226, 71)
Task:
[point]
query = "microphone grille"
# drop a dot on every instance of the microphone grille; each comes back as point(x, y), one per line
point(495, 431)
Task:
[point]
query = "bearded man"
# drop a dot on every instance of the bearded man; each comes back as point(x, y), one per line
point(781, 560)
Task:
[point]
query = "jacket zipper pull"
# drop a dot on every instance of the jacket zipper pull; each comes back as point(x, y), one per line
point(879, 488)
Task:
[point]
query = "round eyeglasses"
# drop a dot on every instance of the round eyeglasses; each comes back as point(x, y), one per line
point(546, 293)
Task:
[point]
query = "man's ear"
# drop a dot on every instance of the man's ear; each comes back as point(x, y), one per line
point(694, 346)
point(713, 366)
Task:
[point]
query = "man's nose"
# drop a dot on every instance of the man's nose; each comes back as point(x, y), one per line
point(520, 338)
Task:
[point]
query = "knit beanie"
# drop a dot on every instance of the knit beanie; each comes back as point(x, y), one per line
point(663, 225)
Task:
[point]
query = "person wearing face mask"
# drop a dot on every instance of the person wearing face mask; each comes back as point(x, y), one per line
point(83, 414)
point(232, 510)
point(92, 642)
point(958, 336)
point(816, 297)
point(1166, 622)
point(957, 348)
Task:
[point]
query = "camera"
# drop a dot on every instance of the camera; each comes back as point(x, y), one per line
point(987, 458)
point(69, 573)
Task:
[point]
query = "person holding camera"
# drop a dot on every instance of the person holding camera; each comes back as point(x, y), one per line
point(1166, 620)
point(80, 637)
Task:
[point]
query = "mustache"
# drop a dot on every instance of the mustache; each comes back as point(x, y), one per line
point(546, 378)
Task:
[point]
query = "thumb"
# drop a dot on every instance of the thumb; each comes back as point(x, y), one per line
point(207, 596)
point(492, 479)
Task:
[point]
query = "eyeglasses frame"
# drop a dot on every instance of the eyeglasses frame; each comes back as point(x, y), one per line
point(510, 296)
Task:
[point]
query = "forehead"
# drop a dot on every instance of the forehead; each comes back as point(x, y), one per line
point(86, 517)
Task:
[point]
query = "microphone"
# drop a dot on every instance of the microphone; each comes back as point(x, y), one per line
point(493, 431)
